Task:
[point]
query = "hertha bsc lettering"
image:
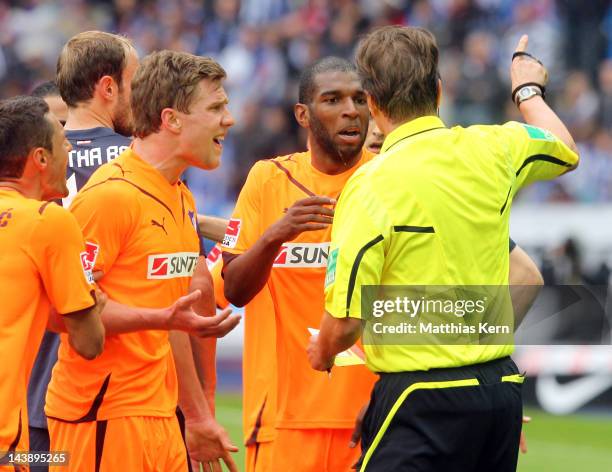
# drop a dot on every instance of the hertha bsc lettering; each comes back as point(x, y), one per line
point(171, 266)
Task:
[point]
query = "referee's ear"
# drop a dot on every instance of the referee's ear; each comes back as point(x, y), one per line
point(439, 97)
point(374, 110)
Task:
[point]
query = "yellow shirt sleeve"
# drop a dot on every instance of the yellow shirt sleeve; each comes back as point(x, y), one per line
point(61, 258)
point(535, 153)
point(357, 251)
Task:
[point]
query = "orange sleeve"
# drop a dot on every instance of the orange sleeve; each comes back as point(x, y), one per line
point(214, 262)
point(243, 229)
point(104, 214)
point(60, 256)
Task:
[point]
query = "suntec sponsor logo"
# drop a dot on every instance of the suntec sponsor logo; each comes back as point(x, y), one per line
point(88, 259)
point(231, 233)
point(302, 255)
point(213, 257)
point(171, 266)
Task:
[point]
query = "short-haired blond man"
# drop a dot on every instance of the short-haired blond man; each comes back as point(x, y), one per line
point(118, 412)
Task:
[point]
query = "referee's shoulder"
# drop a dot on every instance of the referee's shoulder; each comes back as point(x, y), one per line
point(483, 130)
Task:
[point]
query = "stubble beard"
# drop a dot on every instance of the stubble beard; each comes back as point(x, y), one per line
point(326, 142)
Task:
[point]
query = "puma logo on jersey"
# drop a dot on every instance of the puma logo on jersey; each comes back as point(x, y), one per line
point(160, 225)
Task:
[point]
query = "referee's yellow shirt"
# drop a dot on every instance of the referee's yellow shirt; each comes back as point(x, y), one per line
point(433, 209)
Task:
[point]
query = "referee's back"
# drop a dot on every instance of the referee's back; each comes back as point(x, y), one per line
point(433, 210)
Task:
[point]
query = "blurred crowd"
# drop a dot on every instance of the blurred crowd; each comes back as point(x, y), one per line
point(263, 45)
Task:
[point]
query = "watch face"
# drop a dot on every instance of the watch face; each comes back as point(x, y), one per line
point(526, 93)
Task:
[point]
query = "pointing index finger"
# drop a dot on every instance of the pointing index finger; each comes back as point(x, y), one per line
point(522, 44)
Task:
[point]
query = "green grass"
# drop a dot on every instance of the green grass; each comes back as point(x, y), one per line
point(570, 443)
point(229, 414)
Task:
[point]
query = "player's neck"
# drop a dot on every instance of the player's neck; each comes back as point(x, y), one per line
point(160, 154)
point(87, 116)
point(321, 161)
point(29, 189)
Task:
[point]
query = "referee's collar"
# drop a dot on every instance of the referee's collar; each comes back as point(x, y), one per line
point(411, 128)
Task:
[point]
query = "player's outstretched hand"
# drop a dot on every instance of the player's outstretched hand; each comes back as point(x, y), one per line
point(308, 214)
point(525, 68)
point(208, 443)
point(181, 316)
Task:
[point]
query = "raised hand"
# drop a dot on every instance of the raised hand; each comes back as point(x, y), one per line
point(308, 214)
point(525, 68)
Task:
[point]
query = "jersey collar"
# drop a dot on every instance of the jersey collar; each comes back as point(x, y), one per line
point(411, 128)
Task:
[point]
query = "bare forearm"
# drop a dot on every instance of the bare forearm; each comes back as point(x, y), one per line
point(242, 282)
point(205, 349)
point(525, 283)
point(337, 334)
point(118, 318)
point(191, 396)
point(536, 112)
point(212, 227)
point(205, 357)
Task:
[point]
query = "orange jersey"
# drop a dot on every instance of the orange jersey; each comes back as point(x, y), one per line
point(259, 364)
point(43, 261)
point(306, 398)
point(259, 369)
point(145, 231)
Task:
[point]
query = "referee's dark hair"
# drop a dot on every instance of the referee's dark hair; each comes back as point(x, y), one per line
point(398, 67)
point(23, 127)
point(326, 64)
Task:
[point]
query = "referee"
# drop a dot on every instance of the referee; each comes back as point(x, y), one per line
point(433, 210)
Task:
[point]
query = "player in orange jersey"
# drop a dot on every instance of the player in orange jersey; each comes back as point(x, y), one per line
point(42, 252)
point(142, 219)
point(258, 367)
point(281, 226)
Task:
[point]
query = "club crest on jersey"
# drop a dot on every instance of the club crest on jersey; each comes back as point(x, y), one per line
point(302, 255)
point(213, 257)
point(171, 266)
point(88, 260)
point(193, 219)
point(231, 233)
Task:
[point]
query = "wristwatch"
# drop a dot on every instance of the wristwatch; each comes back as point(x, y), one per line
point(527, 92)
